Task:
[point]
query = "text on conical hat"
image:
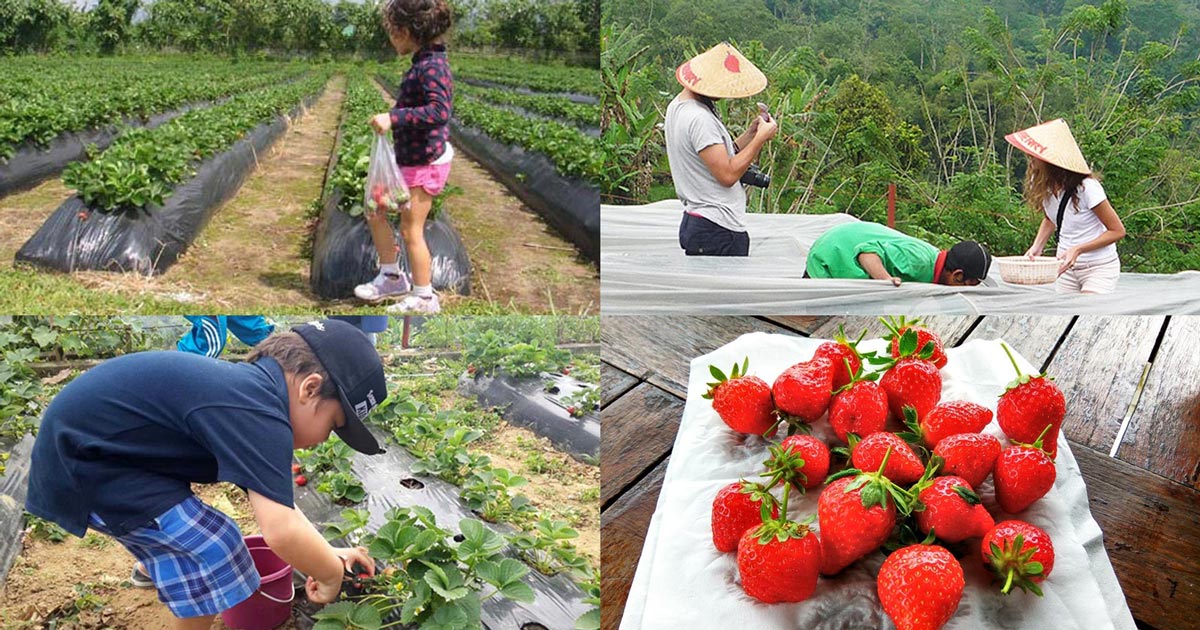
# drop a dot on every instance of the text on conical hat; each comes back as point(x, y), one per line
point(1028, 141)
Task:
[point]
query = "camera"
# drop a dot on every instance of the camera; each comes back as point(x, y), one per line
point(755, 177)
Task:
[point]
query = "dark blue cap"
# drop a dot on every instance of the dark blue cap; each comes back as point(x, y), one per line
point(351, 361)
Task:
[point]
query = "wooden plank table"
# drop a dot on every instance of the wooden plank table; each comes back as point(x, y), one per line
point(1133, 390)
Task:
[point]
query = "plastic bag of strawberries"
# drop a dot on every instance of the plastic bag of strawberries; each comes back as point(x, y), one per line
point(683, 581)
point(385, 189)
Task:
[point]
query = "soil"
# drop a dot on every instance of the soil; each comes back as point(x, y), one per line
point(24, 212)
point(559, 485)
point(46, 579)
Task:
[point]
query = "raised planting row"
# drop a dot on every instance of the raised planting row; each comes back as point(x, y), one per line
point(524, 73)
point(43, 98)
point(146, 199)
point(440, 441)
point(552, 167)
point(142, 167)
point(573, 152)
point(546, 105)
point(343, 254)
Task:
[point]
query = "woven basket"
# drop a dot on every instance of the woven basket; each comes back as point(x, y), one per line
point(1021, 270)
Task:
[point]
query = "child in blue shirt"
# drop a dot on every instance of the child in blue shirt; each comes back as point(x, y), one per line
point(419, 125)
point(119, 447)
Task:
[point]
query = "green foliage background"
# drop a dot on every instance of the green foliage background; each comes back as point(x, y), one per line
point(307, 27)
point(920, 94)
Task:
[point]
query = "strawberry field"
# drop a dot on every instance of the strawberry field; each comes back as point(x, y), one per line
point(167, 167)
point(472, 520)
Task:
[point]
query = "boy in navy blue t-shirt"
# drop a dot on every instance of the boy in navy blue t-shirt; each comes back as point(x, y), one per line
point(120, 446)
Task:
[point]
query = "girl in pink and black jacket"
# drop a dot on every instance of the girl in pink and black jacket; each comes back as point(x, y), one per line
point(419, 125)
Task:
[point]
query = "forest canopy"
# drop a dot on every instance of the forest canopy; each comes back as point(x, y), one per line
point(920, 93)
point(282, 26)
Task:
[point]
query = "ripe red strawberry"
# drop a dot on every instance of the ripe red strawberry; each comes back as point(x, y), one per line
point(804, 390)
point(952, 510)
point(743, 402)
point(364, 576)
point(903, 467)
point(1023, 474)
point(296, 468)
point(737, 508)
point(857, 514)
point(470, 369)
point(571, 410)
point(800, 459)
point(301, 480)
point(779, 561)
point(844, 356)
point(971, 456)
point(1028, 406)
point(920, 587)
point(950, 417)
point(912, 379)
point(896, 330)
point(1020, 555)
point(860, 407)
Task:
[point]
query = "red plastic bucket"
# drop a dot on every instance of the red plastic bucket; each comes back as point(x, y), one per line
point(271, 604)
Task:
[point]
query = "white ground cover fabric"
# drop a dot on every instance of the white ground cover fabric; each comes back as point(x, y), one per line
point(643, 270)
point(682, 581)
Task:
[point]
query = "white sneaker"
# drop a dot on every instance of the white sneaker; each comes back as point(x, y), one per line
point(417, 304)
point(382, 288)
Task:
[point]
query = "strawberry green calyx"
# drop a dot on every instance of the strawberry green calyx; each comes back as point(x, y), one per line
point(736, 372)
point(783, 465)
point(931, 468)
point(899, 328)
point(876, 488)
point(908, 350)
point(780, 528)
point(1016, 567)
point(857, 376)
point(1037, 443)
point(1022, 378)
point(841, 338)
point(915, 435)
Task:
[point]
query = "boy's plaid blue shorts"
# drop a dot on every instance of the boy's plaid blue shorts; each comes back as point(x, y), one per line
point(195, 556)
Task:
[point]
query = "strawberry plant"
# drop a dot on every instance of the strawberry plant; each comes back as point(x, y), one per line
point(546, 105)
point(487, 492)
point(44, 97)
point(330, 464)
point(522, 73)
point(429, 579)
point(142, 167)
point(344, 487)
point(582, 402)
point(573, 152)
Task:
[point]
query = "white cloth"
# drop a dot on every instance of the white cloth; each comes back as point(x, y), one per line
point(683, 582)
point(1080, 223)
point(690, 128)
point(646, 272)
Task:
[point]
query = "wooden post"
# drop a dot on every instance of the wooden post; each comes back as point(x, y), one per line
point(407, 330)
point(892, 206)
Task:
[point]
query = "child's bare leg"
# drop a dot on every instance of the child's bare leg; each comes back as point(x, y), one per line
point(193, 623)
point(381, 235)
point(412, 229)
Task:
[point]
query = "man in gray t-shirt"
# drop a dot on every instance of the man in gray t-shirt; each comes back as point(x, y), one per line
point(706, 162)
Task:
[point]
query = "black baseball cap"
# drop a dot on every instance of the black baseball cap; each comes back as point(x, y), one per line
point(972, 258)
point(352, 363)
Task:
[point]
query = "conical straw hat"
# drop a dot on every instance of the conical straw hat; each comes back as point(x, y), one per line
point(1051, 142)
point(721, 72)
